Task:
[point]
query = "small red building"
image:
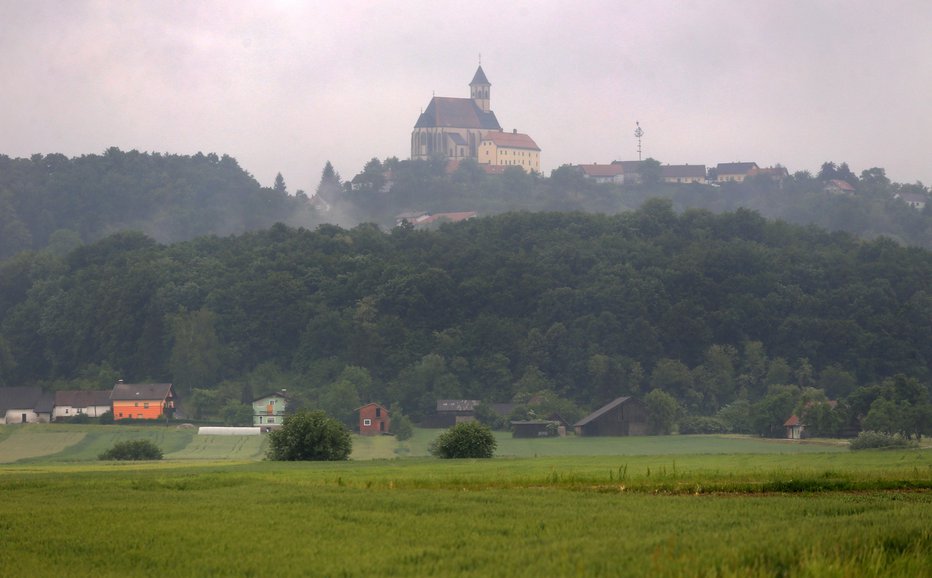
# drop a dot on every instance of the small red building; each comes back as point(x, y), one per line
point(373, 419)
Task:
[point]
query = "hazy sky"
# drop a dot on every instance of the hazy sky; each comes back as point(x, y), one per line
point(287, 85)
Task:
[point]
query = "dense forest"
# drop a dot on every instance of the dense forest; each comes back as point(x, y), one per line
point(719, 312)
point(56, 202)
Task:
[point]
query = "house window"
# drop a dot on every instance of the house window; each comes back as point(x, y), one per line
point(137, 404)
point(145, 405)
point(66, 410)
point(367, 422)
point(378, 412)
point(271, 420)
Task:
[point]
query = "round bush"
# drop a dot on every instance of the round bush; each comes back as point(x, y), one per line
point(310, 436)
point(465, 440)
point(134, 450)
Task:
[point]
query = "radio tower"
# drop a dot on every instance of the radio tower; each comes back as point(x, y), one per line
point(638, 132)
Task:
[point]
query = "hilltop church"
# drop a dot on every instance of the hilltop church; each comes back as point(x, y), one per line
point(461, 128)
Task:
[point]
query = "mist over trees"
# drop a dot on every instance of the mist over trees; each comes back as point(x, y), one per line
point(51, 201)
point(723, 313)
point(725, 321)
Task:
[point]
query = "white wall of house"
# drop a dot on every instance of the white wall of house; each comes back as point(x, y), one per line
point(17, 416)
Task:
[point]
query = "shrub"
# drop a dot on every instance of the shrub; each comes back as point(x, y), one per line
point(134, 450)
point(698, 424)
point(465, 440)
point(310, 436)
point(867, 440)
point(402, 428)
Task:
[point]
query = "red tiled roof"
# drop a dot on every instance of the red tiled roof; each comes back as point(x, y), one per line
point(514, 140)
point(841, 185)
point(792, 421)
point(452, 217)
point(602, 170)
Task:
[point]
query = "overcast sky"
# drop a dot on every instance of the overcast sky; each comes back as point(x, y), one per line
point(284, 86)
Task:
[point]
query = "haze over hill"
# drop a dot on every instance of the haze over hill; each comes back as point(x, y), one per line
point(286, 86)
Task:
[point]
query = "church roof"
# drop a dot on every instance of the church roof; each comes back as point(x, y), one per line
point(479, 77)
point(513, 140)
point(456, 113)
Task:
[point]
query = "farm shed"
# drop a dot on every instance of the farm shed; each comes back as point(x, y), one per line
point(228, 431)
point(624, 416)
point(373, 419)
point(25, 405)
point(451, 412)
point(73, 402)
point(535, 429)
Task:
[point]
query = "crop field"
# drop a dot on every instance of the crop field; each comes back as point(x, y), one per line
point(670, 506)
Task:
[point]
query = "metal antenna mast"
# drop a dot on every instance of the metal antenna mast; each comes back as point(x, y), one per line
point(638, 132)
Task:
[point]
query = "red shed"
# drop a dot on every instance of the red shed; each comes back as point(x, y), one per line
point(373, 419)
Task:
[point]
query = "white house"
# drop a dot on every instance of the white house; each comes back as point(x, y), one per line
point(92, 403)
point(25, 405)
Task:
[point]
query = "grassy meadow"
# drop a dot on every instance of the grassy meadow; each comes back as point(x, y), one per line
point(664, 506)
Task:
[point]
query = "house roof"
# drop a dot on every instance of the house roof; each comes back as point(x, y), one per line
point(735, 168)
point(452, 217)
point(683, 171)
point(629, 166)
point(457, 404)
point(611, 170)
point(841, 185)
point(82, 397)
point(19, 397)
point(512, 140)
point(602, 410)
point(479, 77)
point(451, 112)
point(371, 403)
point(532, 422)
point(793, 421)
point(273, 394)
point(128, 391)
point(913, 197)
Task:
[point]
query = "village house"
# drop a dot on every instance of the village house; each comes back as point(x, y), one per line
point(682, 174)
point(794, 429)
point(839, 187)
point(450, 412)
point(142, 400)
point(25, 405)
point(624, 416)
point(734, 172)
point(268, 411)
point(613, 173)
point(509, 149)
point(373, 419)
point(914, 200)
point(75, 402)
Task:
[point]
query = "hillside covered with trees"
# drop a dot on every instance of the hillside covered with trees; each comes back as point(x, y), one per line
point(722, 313)
point(56, 202)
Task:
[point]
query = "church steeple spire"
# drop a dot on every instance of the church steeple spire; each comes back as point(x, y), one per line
point(480, 89)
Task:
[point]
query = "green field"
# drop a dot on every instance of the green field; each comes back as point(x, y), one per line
point(664, 506)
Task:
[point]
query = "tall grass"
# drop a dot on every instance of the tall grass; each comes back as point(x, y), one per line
point(560, 516)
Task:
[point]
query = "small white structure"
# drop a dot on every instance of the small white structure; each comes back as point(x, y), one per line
point(228, 431)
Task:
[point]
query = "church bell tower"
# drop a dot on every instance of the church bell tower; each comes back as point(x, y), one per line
point(479, 90)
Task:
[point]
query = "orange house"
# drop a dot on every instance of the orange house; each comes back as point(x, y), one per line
point(373, 419)
point(142, 400)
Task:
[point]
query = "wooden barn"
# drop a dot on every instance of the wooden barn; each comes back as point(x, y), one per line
point(373, 419)
point(624, 416)
point(451, 412)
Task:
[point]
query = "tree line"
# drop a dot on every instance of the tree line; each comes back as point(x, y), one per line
point(723, 313)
